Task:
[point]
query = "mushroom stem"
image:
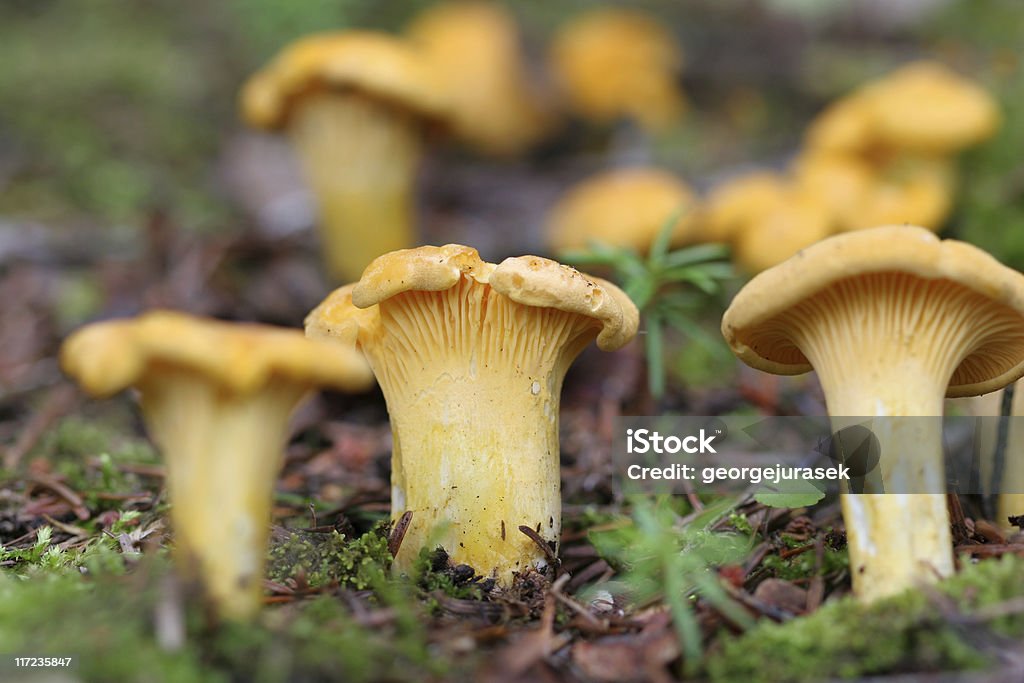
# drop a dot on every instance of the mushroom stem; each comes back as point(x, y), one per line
point(223, 452)
point(1011, 490)
point(892, 319)
point(880, 353)
point(895, 540)
point(360, 157)
point(474, 402)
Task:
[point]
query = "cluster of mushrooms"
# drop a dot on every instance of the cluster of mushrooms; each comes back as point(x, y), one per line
point(881, 155)
point(358, 105)
point(471, 355)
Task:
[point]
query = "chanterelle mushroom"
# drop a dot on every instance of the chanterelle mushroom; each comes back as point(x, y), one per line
point(738, 202)
point(475, 47)
point(353, 104)
point(927, 108)
point(906, 190)
point(216, 397)
point(614, 63)
point(798, 220)
point(892, 319)
point(471, 357)
point(623, 207)
point(922, 107)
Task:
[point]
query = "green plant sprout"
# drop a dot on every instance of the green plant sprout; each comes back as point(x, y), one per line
point(669, 287)
point(40, 553)
point(660, 559)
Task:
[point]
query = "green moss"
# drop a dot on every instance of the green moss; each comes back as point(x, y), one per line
point(909, 632)
point(107, 620)
point(101, 555)
point(326, 559)
point(741, 524)
point(320, 640)
point(106, 625)
point(89, 454)
point(804, 565)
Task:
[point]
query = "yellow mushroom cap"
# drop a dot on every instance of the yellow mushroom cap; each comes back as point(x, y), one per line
point(926, 107)
point(840, 180)
point(615, 62)
point(475, 48)
point(624, 207)
point(799, 220)
point(739, 201)
point(527, 280)
point(922, 107)
point(751, 328)
point(843, 127)
point(107, 357)
point(378, 65)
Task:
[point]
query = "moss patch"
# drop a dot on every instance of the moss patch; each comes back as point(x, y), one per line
point(910, 632)
point(85, 605)
point(805, 564)
point(324, 559)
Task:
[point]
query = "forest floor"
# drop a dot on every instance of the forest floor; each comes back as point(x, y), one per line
point(664, 588)
point(125, 186)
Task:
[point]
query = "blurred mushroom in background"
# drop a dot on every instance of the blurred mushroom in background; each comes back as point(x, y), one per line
point(216, 398)
point(355, 105)
point(881, 155)
point(475, 47)
point(625, 207)
point(798, 220)
point(613, 63)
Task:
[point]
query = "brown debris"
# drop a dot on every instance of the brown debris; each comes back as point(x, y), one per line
point(782, 594)
point(398, 532)
point(524, 657)
point(62, 491)
point(549, 551)
point(641, 656)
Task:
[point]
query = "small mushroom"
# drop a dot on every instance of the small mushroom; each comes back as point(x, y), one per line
point(797, 221)
point(216, 397)
point(354, 104)
point(470, 357)
point(475, 47)
point(925, 107)
point(614, 63)
point(738, 202)
point(842, 181)
point(905, 190)
point(892, 319)
point(625, 207)
point(843, 127)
